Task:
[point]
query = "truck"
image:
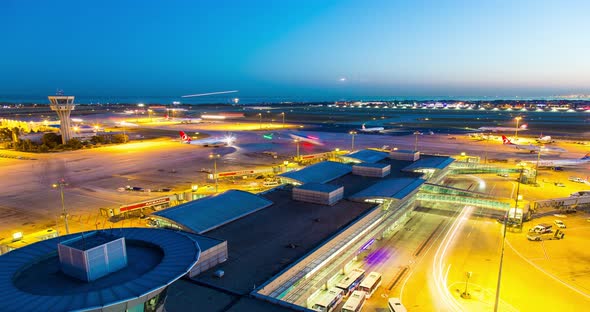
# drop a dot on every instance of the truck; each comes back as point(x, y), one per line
point(558, 234)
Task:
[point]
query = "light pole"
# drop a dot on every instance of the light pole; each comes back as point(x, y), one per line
point(516, 129)
point(150, 114)
point(465, 294)
point(352, 133)
point(504, 242)
point(260, 120)
point(297, 143)
point(283, 114)
point(61, 183)
point(215, 157)
point(537, 164)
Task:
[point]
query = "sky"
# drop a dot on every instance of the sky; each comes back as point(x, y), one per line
point(287, 47)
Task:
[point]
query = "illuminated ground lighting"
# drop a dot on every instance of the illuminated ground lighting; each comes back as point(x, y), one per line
point(438, 265)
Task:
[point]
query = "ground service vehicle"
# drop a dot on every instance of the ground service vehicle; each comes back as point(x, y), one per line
point(559, 224)
point(541, 228)
point(351, 281)
point(355, 302)
point(545, 236)
point(395, 305)
point(370, 283)
point(327, 301)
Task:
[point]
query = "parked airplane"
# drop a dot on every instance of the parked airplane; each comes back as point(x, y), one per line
point(562, 162)
point(545, 139)
point(502, 129)
point(371, 130)
point(533, 148)
point(183, 120)
point(208, 142)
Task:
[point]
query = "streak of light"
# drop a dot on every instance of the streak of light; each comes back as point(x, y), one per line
point(210, 93)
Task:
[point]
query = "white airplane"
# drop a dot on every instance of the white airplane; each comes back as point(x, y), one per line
point(562, 162)
point(502, 129)
point(533, 148)
point(209, 142)
point(544, 139)
point(371, 130)
point(183, 120)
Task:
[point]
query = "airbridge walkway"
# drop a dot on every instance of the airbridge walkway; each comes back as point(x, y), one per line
point(434, 193)
point(474, 168)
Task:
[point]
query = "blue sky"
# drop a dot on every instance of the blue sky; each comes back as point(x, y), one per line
point(340, 48)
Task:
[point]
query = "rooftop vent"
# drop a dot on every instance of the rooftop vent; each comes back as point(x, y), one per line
point(92, 256)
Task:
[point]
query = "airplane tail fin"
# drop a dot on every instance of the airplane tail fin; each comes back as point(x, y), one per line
point(363, 127)
point(184, 137)
point(587, 156)
point(505, 140)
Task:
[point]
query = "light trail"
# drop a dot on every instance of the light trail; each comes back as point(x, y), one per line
point(210, 93)
point(438, 264)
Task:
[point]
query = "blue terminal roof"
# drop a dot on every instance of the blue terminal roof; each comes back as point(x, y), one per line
point(368, 156)
point(31, 279)
point(397, 188)
point(322, 172)
point(207, 213)
point(430, 162)
point(378, 165)
point(318, 187)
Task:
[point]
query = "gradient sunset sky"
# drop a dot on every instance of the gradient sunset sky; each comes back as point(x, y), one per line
point(285, 47)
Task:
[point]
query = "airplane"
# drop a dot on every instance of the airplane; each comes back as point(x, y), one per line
point(209, 142)
point(562, 162)
point(502, 129)
point(544, 139)
point(371, 130)
point(533, 148)
point(306, 138)
point(183, 120)
point(297, 136)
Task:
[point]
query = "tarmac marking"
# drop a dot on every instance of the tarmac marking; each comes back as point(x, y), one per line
point(547, 273)
point(398, 278)
point(421, 248)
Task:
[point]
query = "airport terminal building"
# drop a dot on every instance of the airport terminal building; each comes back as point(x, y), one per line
point(235, 251)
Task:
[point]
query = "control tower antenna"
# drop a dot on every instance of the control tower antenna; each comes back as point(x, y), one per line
point(63, 106)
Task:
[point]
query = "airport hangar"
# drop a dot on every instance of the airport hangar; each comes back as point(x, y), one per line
point(277, 241)
point(284, 243)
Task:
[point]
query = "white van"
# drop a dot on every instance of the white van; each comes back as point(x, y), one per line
point(395, 305)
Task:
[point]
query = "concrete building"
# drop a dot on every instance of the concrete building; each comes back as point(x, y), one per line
point(63, 105)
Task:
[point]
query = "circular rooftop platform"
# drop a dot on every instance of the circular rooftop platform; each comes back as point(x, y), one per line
point(31, 278)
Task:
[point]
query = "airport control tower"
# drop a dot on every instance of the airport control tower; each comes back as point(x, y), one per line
point(63, 105)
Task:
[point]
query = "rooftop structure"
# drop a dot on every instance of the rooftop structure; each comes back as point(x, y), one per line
point(63, 105)
point(378, 170)
point(90, 257)
point(323, 194)
point(31, 279)
point(322, 172)
point(365, 156)
point(205, 214)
